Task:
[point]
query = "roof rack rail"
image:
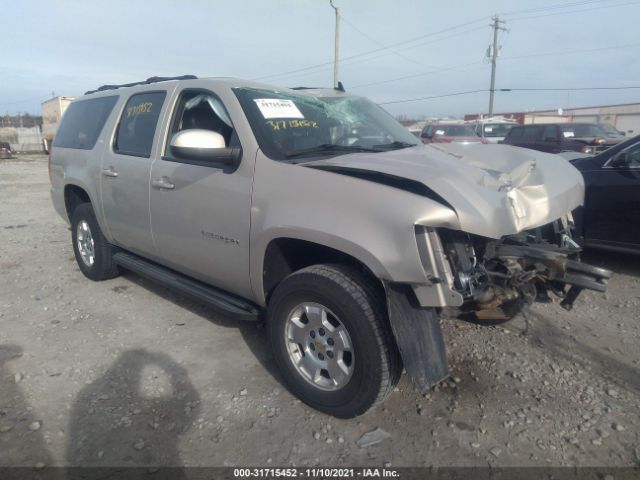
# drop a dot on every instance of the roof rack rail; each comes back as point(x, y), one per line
point(144, 82)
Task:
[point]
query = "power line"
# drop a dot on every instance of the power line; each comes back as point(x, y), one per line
point(567, 52)
point(455, 94)
point(369, 52)
point(517, 57)
point(574, 89)
point(391, 47)
point(377, 42)
point(439, 70)
point(541, 89)
point(574, 11)
point(552, 7)
point(350, 61)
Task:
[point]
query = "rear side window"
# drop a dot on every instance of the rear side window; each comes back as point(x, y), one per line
point(514, 133)
point(138, 124)
point(82, 123)
point(550, 134)
point(530, 133)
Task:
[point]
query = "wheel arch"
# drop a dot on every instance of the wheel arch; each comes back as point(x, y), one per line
point(75, 195)
point(285, 255)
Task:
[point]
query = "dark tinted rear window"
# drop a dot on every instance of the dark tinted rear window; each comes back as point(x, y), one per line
point(530, 133)
point(515, 132)
point(82, 123)
point(138, 124)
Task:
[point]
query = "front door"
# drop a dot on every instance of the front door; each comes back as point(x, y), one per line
point(125, 172)
point(200, 215)
point(612, 203)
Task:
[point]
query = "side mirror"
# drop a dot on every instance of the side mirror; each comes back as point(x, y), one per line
point(203, 147)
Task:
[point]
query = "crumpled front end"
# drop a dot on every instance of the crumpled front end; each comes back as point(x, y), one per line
point(494, 278)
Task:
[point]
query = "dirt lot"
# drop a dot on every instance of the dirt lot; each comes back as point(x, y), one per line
point(124, 372)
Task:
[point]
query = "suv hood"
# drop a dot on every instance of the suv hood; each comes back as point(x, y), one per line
point(495, 190)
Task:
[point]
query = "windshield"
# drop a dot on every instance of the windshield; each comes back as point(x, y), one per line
point(569, 131)
point(610, 129)
point(496, 129)
point(453, 131)
point(288, 125)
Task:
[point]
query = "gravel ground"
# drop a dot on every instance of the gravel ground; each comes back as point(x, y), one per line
point(125, 372)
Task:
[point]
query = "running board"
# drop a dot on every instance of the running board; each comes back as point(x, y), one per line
point(219, 300)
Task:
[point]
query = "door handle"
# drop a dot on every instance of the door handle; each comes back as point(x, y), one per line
point(110, 172)
point(162, 183)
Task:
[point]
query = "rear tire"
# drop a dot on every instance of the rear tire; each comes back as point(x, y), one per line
point(93, 253)
point(332, 341)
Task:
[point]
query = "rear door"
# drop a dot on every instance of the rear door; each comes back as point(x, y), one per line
point(200, 215)
point(531, 137)
point(612, 202)
point(550, 141)
point(126, 165)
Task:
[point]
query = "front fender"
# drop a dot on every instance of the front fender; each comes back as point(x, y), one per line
point(370, 222)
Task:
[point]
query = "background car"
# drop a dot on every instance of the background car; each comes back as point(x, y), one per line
point(561, 137)
point(610, 218)
point(444, 133)
point(493, 132)
point(5, 150)
point(611, 131)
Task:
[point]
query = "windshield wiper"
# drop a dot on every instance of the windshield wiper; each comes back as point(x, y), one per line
point(330, 148)
point(397, 145)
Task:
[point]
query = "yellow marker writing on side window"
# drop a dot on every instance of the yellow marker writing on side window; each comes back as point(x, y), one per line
point(141, 108)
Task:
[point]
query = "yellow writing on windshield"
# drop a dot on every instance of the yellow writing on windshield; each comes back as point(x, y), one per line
point(284, 124)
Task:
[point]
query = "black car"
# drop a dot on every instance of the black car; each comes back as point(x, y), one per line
point(561, 137)
point(5, 150)
point(610, 218)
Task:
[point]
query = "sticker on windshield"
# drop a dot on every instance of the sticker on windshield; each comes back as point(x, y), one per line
point(439, 132)
point(277, 108)
point(488, 129)
point(568, 134)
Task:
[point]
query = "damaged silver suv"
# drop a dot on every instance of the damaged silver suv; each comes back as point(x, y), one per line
point(316, 210)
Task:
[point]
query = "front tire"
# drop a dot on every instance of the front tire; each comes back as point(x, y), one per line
point(93, 253)
point(332, 341)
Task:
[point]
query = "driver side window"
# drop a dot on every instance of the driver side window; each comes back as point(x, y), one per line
point(199, 109)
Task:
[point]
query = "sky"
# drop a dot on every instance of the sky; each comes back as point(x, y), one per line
point(390, 50)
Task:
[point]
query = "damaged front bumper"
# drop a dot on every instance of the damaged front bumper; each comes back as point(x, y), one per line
point(489, 279)
point(495, 278)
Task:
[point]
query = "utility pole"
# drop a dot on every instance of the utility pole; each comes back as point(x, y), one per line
point(336, 45)
point(492, 52)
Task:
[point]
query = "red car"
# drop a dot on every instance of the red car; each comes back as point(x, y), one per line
point(443, 133)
